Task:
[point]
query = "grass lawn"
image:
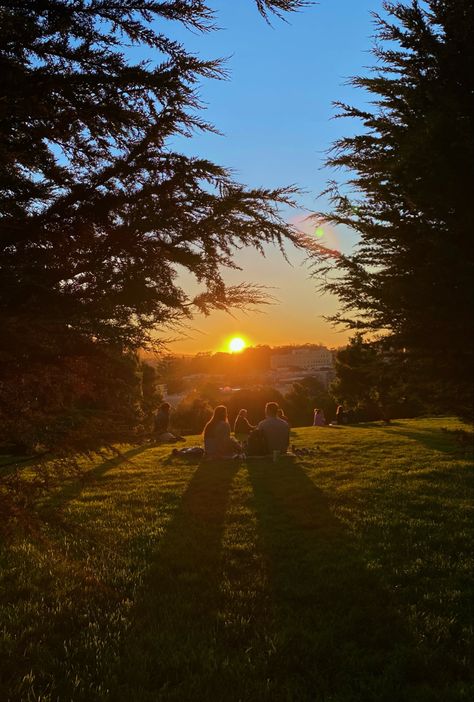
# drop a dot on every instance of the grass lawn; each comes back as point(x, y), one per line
point(342, 577)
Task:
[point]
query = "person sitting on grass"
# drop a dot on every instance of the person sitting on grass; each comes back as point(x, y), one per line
point(319, 418)
point(341, 415)
point(242, 428)
point(217, 440)
point(275, 429)
point(161, 430)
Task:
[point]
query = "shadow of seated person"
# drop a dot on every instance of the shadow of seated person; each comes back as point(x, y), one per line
point(337, 630)
point(174, 623)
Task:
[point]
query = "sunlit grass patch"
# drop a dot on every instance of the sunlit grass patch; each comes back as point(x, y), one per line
point(346, 575)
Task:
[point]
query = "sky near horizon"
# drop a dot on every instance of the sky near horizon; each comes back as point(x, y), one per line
point(277, 118)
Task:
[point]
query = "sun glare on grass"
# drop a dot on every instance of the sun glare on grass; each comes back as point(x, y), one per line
point(236, 344)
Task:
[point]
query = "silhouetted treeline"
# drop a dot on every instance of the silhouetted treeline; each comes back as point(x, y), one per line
point(409, 198)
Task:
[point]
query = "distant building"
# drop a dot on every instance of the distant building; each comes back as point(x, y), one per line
point(315, 359)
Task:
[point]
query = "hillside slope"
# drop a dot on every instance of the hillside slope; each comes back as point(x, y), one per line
point(342, 576)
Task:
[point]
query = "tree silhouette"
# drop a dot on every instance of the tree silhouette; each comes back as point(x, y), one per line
point(409, 196)
point(98, 210)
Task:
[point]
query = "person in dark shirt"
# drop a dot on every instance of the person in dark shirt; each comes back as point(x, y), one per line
point(275, 430)
point(162, 418)
point(341, 416)
point(162, 423)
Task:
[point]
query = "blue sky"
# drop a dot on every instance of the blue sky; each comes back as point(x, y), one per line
point(275, 111)
point(276, 116)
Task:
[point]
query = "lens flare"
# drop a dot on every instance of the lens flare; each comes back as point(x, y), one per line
point(315, 229)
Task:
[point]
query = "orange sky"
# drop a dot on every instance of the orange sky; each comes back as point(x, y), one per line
point(295, 318)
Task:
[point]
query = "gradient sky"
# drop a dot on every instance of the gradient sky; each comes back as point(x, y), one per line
point(276, 114)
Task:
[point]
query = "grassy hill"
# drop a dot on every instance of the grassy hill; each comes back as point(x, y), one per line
point(344, 576)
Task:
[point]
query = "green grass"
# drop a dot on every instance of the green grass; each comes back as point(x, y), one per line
point(341, 577)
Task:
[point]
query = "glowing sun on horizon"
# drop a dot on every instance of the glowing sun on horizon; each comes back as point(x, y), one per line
point(236, 344)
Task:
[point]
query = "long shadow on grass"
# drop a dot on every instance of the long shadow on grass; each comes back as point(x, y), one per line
point(173, 635)
point(434, 439)
point(73, 489)
point(337, 635)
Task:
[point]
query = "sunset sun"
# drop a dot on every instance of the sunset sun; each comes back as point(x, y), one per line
point(236, 344)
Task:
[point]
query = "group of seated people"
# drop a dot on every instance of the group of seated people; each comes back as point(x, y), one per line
point(271, 435)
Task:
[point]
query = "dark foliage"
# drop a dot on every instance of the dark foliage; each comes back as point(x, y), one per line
point(307, 395)
point(373, 383)
point(97, 210)
point(254, 401)
point(72, 399)
point(196, 408)
point(151, 396)
point(410, 198)
point(192, 414)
